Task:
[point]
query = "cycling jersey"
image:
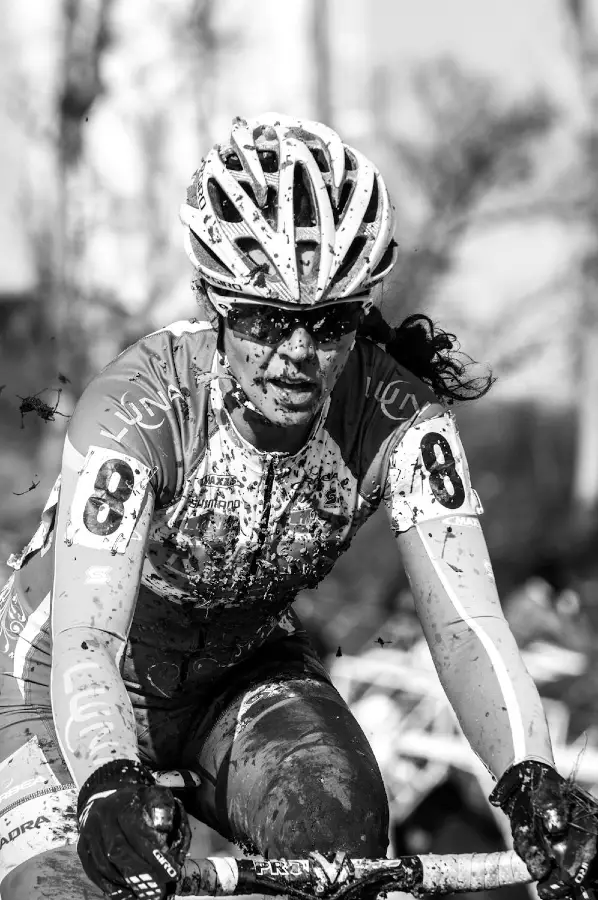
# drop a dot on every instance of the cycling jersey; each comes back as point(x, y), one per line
point(180, 547)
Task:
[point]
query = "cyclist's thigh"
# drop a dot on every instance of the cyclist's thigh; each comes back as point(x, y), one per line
point(287, 769)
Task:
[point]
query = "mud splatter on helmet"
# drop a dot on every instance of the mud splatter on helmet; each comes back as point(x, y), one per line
point(286, 213)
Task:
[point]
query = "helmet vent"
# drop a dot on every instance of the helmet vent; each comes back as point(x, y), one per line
point(346, 194)
point(386, 261)
point(206, 257)
point(304, 210)
point(248, 190)
point(353, 256)
point(254, 253)
point(270, 209)
point(223, 205)
point(307, 254)
point(232, 162)
point(372, 210)
point(269, 160)
point(320, 159)
point(350, 163)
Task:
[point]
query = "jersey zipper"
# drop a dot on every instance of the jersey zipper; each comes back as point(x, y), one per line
point(264, 521)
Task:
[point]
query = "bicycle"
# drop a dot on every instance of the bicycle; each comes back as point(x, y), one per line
point(342, 877)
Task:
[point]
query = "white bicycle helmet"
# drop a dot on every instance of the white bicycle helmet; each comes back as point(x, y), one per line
point(286, 213)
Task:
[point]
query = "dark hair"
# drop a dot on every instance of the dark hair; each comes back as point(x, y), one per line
point(427, 352)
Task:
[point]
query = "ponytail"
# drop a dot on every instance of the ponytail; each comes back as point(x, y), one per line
point(427, 352)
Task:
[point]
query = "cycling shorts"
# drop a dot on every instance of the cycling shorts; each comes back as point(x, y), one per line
point(284, 765)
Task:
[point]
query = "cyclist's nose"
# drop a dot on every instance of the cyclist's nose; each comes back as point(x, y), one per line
point(298, 346)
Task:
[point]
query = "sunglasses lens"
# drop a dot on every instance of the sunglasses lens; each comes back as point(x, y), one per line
point(262, 323)
point(271, 325)
point(333, 323)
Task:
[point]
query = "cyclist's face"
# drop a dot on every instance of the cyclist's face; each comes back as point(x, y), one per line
point(287, 381)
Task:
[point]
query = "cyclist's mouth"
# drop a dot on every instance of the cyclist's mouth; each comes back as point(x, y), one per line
point(295, 391)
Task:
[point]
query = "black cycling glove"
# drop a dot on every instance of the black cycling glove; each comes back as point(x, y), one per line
point(133, 834)
point(554, 825)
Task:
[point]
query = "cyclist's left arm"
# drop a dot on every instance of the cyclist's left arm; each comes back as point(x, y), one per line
point(434, 515)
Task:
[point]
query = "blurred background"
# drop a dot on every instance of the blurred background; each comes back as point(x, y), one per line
point(483, 118)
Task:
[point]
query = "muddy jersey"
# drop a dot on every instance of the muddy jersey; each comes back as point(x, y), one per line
point(235, 532)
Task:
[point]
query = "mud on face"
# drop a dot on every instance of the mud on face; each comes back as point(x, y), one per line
point(288, 382)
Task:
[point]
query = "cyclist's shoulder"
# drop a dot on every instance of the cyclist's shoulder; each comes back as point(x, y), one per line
point(377, 394)
point(149, 402)
point(172, 360)
point(374, 405)
point(172, 353)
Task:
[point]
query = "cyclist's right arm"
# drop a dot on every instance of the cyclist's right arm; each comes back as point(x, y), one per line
point(104, 512)
point(125, 450)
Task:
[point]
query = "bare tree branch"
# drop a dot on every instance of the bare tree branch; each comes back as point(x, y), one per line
point(86, 36)
point(477, 146)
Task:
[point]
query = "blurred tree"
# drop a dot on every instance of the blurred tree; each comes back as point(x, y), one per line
point(203, 44)
point(200, 33)
point(572, 198)
point(477, 145)
point(86, 37)
point(195, 36)
point(44, 340)
point(584, 19)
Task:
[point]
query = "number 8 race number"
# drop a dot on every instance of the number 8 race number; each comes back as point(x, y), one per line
point(445, 482)
point(105, 508)
point(107, 500)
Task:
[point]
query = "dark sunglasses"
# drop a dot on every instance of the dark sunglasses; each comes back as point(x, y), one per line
point(271, 324)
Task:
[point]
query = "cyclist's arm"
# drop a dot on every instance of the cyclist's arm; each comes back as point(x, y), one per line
point(104, 513)
point(446, 559)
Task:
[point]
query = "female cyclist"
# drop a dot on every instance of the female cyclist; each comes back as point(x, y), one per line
point(209, 473)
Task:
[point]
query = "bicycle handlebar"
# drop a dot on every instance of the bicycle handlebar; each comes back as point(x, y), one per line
point(472, 871)
point(429, 873)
